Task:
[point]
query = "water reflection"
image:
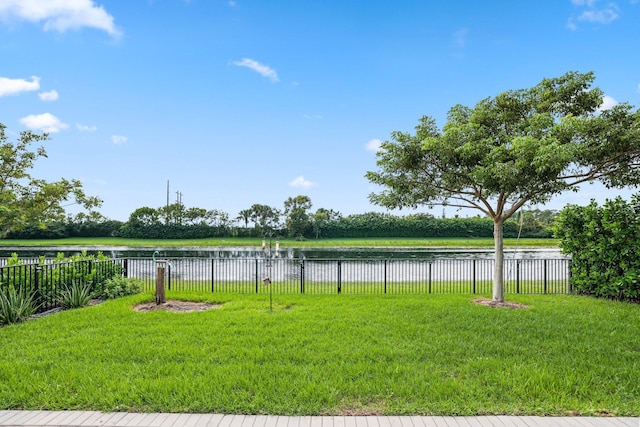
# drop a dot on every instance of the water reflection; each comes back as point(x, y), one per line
point(286, 253)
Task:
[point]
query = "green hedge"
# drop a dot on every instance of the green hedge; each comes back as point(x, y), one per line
point(60, 230)
point(385, 225)
point(367, 225)
point(604, 245)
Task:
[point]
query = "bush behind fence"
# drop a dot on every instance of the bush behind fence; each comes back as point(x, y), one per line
point(44, 280)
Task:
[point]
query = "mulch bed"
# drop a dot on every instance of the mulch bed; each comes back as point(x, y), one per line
point(505, 304)
point(176, 306)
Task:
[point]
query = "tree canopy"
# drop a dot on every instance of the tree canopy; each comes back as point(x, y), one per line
point(297, 216)
point(522, 146)
point(25, 200)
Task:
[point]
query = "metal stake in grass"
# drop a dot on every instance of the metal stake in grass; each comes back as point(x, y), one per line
point(267, 282)
point(269, 254)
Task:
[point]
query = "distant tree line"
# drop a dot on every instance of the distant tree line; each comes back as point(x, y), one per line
point(295, 220)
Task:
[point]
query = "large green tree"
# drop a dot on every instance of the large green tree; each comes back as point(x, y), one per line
point(296, 212)
point(244, 216)
point(25, 200)
point(321, 218)
point(522, 146)
point(265, 217)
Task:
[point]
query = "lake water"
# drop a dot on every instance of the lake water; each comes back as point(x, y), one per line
point(287, 253)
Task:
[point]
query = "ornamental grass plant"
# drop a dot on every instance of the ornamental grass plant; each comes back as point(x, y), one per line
point(75, 295)
point(15, 306)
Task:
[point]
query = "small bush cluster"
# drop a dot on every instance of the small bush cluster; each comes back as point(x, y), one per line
point(69, 282)
point(117, 287)
point(56, 277)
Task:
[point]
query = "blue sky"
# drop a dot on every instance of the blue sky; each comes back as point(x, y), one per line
point(252, 101)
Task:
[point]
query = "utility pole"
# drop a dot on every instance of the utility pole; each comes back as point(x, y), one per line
point(167, 193)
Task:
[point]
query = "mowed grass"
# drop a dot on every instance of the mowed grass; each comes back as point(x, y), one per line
point(330, 354)
point(256, 242)
point(366, 288)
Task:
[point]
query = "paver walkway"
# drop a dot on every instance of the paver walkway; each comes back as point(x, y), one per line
point(118, 419)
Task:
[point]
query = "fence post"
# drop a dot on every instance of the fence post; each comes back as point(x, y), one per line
point(89, 268)
point(212, 274)
point(256, 275)
point(517, 276)
point(545, 276)
point(570, 282)
point(302, 276)
point(474, 275)
point(36, 285)
point(339, 276)
point(385, 276)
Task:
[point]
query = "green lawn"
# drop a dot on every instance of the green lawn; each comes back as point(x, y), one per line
point(382, 242)
point(364, 288)
point(336, 354)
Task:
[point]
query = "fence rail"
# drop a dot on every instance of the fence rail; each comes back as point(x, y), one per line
point(288, 276)
point(355, 276)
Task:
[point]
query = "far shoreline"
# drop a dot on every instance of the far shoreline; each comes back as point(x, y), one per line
point(221, 243)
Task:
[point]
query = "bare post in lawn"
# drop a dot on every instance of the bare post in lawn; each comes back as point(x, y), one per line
point(160, 295)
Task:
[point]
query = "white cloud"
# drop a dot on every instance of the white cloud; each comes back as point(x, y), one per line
point(302, 183)
point(59, 15)
point(374, 145)
point(85, 128)
point(591, 12)
point(259, 68)
point(608, 102)
point(52, 95)
point(45, 122)
point(15, 86)
point(119, 139)
point(602, 16)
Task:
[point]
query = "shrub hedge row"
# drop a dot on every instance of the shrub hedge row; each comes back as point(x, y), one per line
point(367, 225)
point(604, 245)
point(385, 225)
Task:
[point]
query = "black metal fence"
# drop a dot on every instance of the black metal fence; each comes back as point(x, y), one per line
point(44, 280)
point(354, 276)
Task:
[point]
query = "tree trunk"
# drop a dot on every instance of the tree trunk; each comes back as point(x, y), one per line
point(498, 270)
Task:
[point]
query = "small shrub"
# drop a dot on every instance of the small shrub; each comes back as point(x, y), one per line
point(119, 287)
point(15, 306)
point(76, 295)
